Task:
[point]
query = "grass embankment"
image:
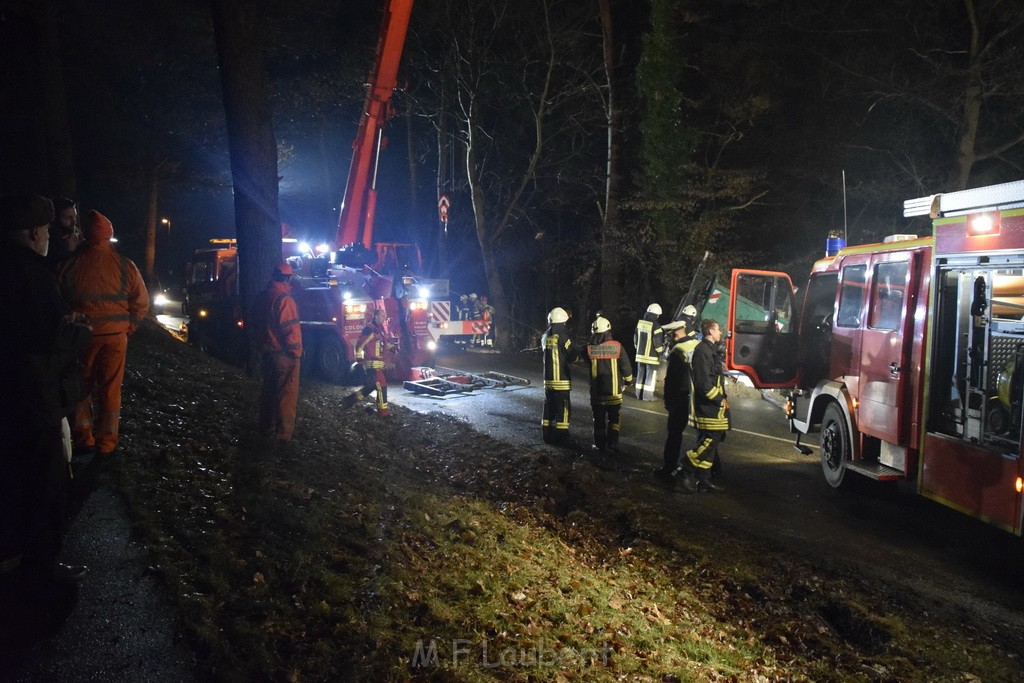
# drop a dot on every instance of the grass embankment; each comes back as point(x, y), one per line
point(416, 548)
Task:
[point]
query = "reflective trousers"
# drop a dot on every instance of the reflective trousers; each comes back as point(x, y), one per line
point(555, 421)
point(646, 378)
point(279, 395)
point(705, 454)
point(97, 415)
point(377, 383)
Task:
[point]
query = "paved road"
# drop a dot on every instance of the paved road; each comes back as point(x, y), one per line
point(775, 493)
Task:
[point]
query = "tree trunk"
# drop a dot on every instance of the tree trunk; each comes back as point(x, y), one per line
point(53, 108)
point(966, 153)
point(610, 295)
point(502, 311)
point(251, 143)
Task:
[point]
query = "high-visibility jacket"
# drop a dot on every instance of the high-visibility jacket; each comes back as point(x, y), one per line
point(558, 354)
point(710, 409)
point(648, 340)
point(279, 328)
point(608, 364)
point(106, 287)
point(677, 378)
point(371, 346)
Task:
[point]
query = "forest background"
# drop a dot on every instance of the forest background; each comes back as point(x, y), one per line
point(592, 150)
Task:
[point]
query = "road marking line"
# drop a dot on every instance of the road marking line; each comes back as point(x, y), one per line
point(741, 431)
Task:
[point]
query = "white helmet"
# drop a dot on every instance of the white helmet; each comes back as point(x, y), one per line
point(601, 325)
point(473, 296)
point(655, 309)
point(690, 310)
point(557, 315)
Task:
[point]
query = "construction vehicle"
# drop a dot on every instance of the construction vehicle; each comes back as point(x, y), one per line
point(337, 287)
point(907, 356)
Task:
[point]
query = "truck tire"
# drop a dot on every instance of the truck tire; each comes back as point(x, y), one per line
point(331, 359)
point(835, 445)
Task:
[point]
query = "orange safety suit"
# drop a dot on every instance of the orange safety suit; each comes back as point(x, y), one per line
point(370, 349)
point(108, 289)
point(280, 340)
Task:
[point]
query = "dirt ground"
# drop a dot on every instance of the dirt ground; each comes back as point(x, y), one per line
point(298, 561)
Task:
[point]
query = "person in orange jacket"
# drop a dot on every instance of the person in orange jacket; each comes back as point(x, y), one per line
point(108, 290)
point(371, 347)
point(280, 341)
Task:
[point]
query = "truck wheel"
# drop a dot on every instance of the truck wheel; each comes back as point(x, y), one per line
point(332, 359)
point(835, 445)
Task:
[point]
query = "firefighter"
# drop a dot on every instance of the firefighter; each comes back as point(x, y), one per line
point(683, 335)
point(648, 342)
point(280, 342)
point(371, 347)
point(558, 354)
point(710, 405)
point(108, 290)
point(487, 315)
point(608, 365)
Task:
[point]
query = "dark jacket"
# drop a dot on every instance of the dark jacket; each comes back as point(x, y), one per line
point(559, 352)
point(677, 377)
point(608, 364)
point(39, 349)
point(710, 409)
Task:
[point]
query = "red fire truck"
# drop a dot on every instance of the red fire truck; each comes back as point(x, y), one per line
point(907, 356)
point(338, 288)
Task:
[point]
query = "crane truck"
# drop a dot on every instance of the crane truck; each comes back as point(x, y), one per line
point(906, 356)
point(337, 287)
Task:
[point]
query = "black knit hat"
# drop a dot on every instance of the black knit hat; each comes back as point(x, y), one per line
point(24, 211)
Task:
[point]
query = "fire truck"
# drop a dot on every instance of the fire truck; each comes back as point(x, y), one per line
point(338, 287)
point(907, 356)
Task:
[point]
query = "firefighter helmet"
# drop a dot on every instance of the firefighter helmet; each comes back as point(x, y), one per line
point(601, 325)
point(655, 309)
point(472, 297)
point(690, 310)
point(557, 315)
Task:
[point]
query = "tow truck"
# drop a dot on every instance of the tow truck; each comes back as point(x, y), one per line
point(907, 356)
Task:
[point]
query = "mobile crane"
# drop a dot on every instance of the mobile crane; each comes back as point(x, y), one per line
point(337, 289)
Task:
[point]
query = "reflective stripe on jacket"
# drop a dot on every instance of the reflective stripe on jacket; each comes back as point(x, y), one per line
point(558, 354)
point(281, 331)
point(371, 345)
point(710, 409)
point(647, 340)
point(106, 287)
point(608, 364)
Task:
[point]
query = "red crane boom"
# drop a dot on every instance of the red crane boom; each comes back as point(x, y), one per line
point(358, 208)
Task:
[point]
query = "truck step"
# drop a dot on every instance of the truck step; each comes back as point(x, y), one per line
point(875, 470)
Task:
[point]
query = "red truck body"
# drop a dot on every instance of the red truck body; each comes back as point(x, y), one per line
point(906, 356)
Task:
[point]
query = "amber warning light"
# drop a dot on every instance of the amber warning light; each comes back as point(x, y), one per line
point(981, 224)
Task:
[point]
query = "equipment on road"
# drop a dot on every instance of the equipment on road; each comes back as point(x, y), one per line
point(904, 355)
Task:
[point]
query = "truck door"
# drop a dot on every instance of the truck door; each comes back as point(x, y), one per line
point(885, 347)
point(762, 340)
